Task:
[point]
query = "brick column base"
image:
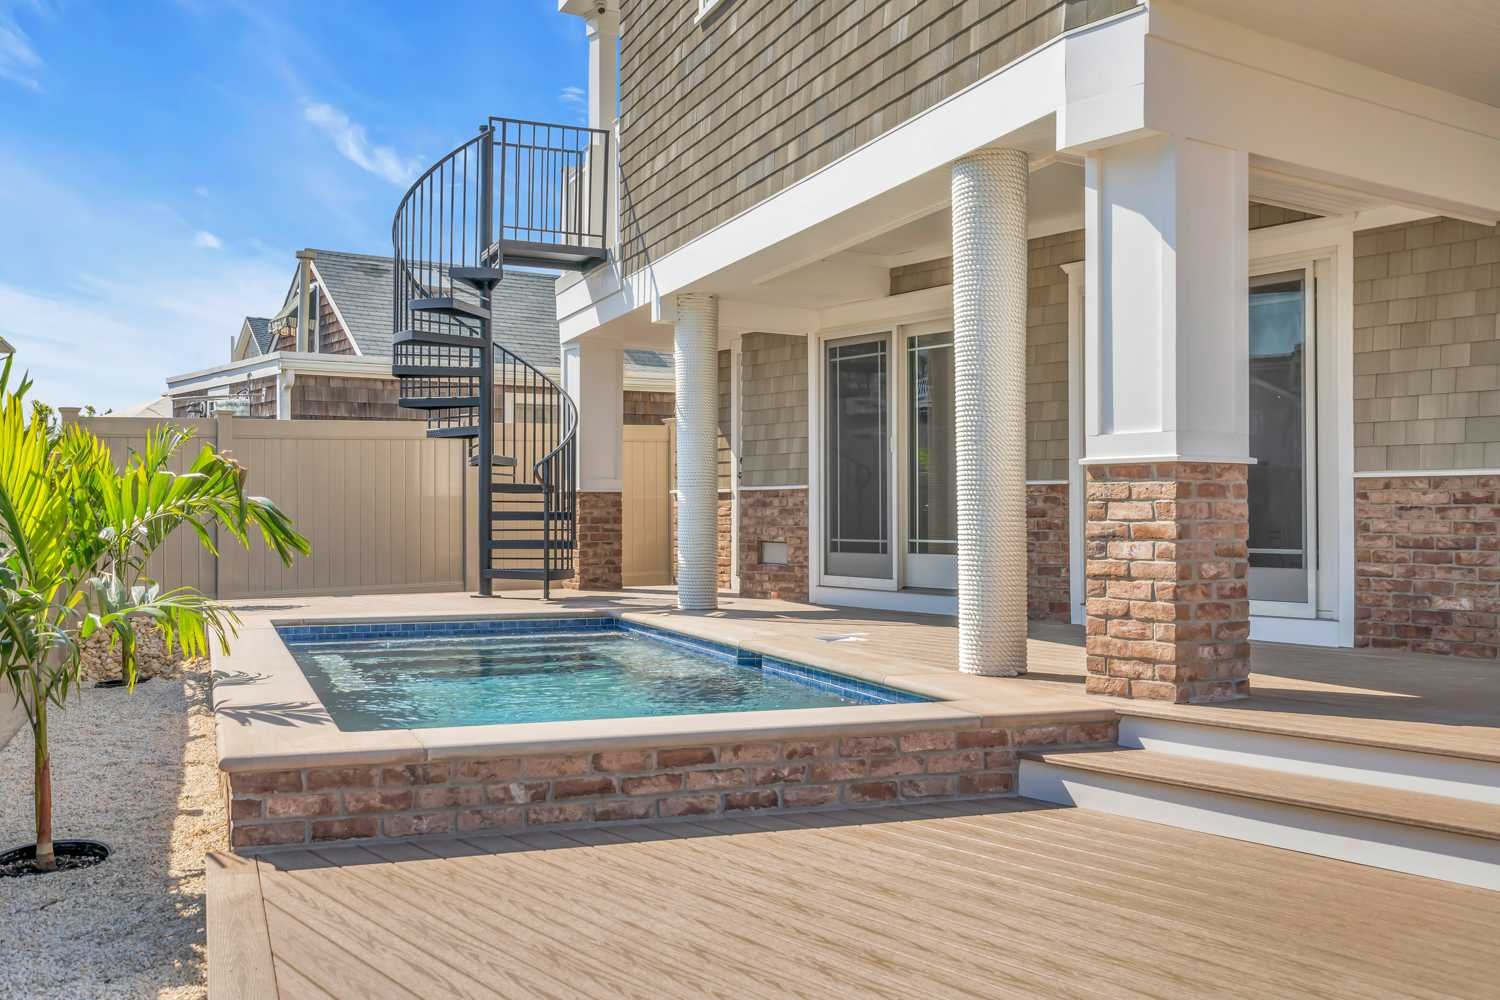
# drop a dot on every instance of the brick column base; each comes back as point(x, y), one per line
point(1047, 595)
point(778, 515)
point(1167, 581)
point(601, 542)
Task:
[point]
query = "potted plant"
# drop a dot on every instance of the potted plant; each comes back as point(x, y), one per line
point(75, 531)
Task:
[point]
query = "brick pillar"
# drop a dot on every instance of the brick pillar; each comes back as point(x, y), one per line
point(1167, 581)
point(601, 544)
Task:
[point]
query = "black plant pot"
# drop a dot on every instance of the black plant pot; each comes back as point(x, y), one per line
point(119, 682)
point(71, 855)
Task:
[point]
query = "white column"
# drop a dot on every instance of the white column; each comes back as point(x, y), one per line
point(1166, 265)
point(594, 375)
point(604, 66)
point(989, 358)
point(695, 349)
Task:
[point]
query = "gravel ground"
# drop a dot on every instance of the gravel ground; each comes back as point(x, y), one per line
point(137, 771)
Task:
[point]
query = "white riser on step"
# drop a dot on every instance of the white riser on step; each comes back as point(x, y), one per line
point(1394, 846)
point(1456, 777)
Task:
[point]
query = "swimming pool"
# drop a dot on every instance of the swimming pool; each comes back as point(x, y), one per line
point(422, 675)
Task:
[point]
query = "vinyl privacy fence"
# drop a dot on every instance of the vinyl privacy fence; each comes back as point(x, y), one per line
point(386, 508)
point(381, 504)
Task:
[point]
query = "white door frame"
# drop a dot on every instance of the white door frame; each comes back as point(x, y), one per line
point(920, 571)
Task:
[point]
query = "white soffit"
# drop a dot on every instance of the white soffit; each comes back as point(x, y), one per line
point(1447, 44)
point(1276, 187)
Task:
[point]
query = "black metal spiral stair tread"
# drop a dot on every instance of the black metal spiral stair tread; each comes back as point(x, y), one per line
point(449, 305)
point(438, 402)
point(435, 371)
point(512, 544)
point(477, 276)
point(530, 515)
point(525, 574)
point(436, 338)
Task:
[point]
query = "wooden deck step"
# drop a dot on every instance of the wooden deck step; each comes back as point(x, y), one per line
point(1432, 812)
point(1333, 723)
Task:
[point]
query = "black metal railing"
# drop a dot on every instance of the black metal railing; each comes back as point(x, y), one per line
point(552, 183)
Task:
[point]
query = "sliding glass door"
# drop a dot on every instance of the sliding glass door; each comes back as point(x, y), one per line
point(857, 471)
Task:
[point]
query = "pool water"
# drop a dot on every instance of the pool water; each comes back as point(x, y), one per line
point(447, 678)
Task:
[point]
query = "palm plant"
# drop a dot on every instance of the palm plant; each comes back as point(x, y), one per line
point(75, 536)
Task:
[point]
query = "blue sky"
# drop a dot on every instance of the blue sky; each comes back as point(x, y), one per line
point(160, 162)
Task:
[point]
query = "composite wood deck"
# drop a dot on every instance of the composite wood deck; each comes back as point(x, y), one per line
point(1000, 898)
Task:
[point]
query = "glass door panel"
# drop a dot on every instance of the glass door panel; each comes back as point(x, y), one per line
point(1281, 442)
point(931, 463)
point(857, 522)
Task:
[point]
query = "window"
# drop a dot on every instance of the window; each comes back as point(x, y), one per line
point(706, 7)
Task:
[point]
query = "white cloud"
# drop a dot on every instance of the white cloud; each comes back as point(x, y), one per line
point(206, 240)
point(201, 191)
point(573, 95)
point(19, 62)
point(113, 341)
point(350, 139)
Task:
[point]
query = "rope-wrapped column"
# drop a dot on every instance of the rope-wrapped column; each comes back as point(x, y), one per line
point(989, 357)
point(695, 351)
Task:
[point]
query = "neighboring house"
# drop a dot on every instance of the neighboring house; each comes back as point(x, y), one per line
point(158, 407)
point(327, 355)
point(1175, 319)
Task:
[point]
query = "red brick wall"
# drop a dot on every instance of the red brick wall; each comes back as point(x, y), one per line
point(600, 554)
point(1168, 581)
point(1047, 596)
point(514, 794)
point(1427, 564)
point(773, 516)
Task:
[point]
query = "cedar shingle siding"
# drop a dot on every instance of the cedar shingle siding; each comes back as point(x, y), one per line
point(715, 117)
point(1427, 347)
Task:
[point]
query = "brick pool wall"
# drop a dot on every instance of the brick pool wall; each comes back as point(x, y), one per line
point(512, 794)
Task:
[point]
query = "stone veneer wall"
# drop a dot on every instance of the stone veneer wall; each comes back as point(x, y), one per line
point(1047, 579)
point(1167, 581)
point(774, 516)
point(600, 556)
point(1427, 564)
point(517, 793)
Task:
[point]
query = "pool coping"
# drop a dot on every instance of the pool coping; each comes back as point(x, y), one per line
point(268, 717)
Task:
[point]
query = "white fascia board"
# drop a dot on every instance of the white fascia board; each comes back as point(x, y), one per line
point(1100, 62)
point(258, 366)
point(1327, 126)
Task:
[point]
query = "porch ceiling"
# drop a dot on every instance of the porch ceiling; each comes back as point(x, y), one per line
point(1448, 44)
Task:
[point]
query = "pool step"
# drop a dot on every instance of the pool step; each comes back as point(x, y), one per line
point(1437, 836)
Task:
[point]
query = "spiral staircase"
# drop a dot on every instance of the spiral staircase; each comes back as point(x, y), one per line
point(519, 193)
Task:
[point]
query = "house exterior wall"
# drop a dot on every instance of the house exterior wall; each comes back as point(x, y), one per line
point(773, 418)
point(1427, 347)
point(332, 397)
point(648, 408)
point(1427, 400)
point(720, 113)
